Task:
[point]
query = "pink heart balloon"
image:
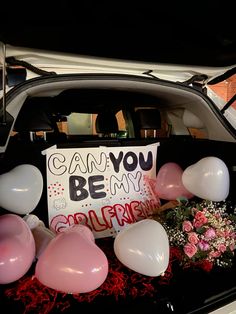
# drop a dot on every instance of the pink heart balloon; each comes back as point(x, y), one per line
point(169, 185)
point(17, 248)
point(72, 262)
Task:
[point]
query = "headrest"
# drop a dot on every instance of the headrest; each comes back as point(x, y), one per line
point(106, 122)
point(148, 119)
point(33, 121)
point(33, 118)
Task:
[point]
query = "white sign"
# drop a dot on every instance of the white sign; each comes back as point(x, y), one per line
point(104, 188)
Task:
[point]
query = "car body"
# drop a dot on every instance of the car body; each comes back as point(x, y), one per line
point(57, 98)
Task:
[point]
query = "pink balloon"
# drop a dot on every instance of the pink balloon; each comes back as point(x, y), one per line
point(17, 248)
point(72, 262)
point(169, 185)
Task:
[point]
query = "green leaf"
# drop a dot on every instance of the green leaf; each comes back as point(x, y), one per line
point(201, 230)
point(199, 207)
point(182, 200)
point(232, 218)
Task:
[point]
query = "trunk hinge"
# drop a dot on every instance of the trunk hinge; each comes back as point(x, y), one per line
point(228, 104)
point(149, 73)
point(12, 61)
point(222, 77)
point(197, 81)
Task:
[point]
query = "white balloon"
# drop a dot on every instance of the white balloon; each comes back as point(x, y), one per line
point(21, 189)
point(42, 235)
point(143, 247)
point(207, 179)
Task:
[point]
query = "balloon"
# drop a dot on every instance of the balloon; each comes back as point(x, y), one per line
point(42, 235)
point(208, 179)
point(143, 247)
point(17, 248)
point(72, 262)
point(169, 185)
point(21, 189)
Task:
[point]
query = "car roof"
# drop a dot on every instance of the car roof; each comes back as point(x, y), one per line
point(173, 32)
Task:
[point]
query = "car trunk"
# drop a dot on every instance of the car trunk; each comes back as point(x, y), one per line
point(95, 93)
point(174, 58)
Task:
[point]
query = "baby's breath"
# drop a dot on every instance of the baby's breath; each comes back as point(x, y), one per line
point(203, 231)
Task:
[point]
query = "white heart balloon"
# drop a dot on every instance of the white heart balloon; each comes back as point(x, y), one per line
point(207, 179)
point(21, 189)
point(143, 247)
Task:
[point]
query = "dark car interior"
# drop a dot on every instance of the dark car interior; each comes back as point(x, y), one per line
point(37, 128)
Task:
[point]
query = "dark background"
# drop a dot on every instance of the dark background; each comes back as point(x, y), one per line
point(185, 32)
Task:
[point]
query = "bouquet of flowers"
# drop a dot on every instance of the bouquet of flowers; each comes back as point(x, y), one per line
point(204, 234)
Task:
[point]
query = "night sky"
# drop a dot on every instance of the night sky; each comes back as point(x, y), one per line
point(186, 32)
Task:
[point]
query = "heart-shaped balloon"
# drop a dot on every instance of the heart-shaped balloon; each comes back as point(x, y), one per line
point(42, 235)
point(143, 247)
point(208, 179)
point(17, 248)
point(169, 185)
point(72, 262)
point(21, 189)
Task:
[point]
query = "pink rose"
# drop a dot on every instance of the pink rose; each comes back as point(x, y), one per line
point(215, 254)
point(200, 216)
point(222, 248)
point(193, 238)
point(209, 234)
point(190, 249)
point(217, 216)
point(187, 226)
point(226, 233)
point(203, 245)
point(199, 220)
point(197, 223)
